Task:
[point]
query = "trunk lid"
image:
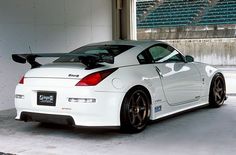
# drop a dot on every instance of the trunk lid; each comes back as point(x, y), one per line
point(60, 71)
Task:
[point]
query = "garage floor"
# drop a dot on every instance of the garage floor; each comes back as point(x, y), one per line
point(203, 131)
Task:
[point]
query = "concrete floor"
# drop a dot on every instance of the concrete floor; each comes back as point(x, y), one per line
point(203, 131)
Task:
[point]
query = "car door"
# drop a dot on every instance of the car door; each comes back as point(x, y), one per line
point(181, 80)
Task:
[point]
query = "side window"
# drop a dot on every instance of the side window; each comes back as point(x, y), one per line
point(158, 52)
point(144, 58)
point(165, 53)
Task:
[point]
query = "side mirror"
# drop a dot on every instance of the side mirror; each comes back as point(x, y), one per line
point(189, 58)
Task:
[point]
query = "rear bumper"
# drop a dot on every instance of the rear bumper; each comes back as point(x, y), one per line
point(104, 112)
point(47, 118)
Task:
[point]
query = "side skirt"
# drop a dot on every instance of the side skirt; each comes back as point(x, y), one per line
point(180, 111)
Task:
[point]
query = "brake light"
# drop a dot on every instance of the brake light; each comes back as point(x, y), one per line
point(94, 78)
point(22, 80)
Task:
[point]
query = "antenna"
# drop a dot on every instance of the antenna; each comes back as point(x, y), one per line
point(30, 50)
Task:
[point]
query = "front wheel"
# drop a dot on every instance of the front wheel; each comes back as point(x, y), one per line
point(217, 91)
point(135, 111)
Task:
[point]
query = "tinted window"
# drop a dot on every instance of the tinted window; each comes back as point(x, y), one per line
point(165, 53)
point(113, 50)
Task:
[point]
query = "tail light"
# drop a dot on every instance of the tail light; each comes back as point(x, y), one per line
point(94, 78)
point(22, 80)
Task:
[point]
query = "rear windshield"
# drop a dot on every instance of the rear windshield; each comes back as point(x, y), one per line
point(112, 50)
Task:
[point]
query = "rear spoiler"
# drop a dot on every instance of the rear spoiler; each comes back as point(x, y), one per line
point(90, 60)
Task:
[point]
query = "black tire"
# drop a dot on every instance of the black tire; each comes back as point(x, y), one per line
point(217, 93)
point(135, 110)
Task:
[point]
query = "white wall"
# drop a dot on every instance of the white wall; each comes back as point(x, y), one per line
point(46, 26)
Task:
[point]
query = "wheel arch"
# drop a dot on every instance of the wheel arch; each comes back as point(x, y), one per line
point(212, 103)
point(123, 117)
point(145, 89)
point(212, 77)
point(135, 88)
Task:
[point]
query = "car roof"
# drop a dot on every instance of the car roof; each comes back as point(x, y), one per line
point(129, 57)
point(127, 42)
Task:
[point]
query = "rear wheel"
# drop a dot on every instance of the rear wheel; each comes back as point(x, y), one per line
point(217, 91)
point(135, 111)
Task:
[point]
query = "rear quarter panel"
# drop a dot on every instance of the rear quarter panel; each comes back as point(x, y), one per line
point(128, 77)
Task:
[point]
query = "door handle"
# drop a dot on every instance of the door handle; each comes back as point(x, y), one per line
point(159, 72)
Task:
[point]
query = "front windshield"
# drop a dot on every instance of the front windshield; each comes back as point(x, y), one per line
point(112, 50)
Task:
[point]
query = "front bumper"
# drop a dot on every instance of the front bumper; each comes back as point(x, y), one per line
point(104, 112)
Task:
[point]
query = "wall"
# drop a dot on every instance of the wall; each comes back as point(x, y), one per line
point(46, 26)
point(211, 51)
point(187, 32)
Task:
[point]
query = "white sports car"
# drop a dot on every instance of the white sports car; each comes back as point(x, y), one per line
point(116, 83)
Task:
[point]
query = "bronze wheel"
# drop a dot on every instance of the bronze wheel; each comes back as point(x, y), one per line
point(135, 111)
point(217, 91)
